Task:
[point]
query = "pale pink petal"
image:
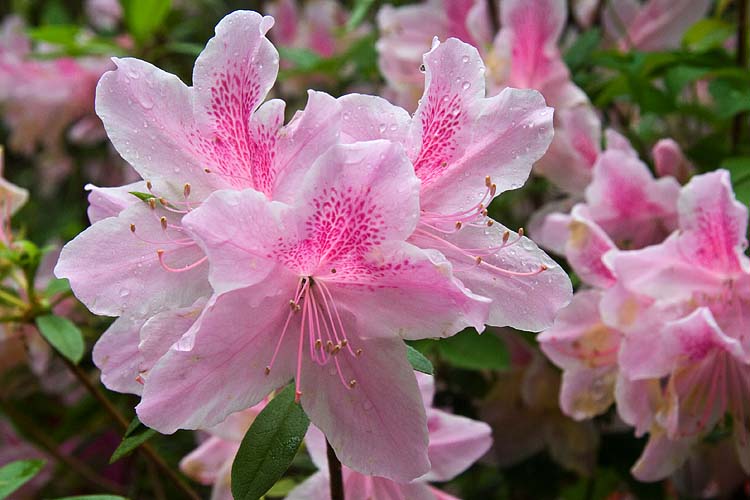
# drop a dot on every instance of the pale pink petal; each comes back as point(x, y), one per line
point(574, 148)
point(617, 16)
point(235, 426)
point(204, 464)
point(579, 339)
point(222, 489)
point(116, 354)
point(659, 24)
point(148, 115)
point(109, 202)
point(615, 140)
point(663, 271)
point(669, 160)
point(637, 402)
point(409, 292)
point(586, 393)
point(286, 19)
point(661, 457)
point(367, 117)
point(458, 137)
point(585, 11)
point(550, 228)
point(479, 25)
point(715, 224)
point(456, 442)
point(315, 487)
point(254, 234)
point(378, 427)
point(162, 330)
point(426, 388)
point(219, 367)
point(585, 248)
point(528, 301)
point(632, 207)
point(114, 270)
point(307, 136)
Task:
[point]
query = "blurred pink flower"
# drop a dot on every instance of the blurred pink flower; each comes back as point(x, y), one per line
point(46, 102)
point(211, 462)
point(104, 14)
point(467, 149)
point(187, 142)
point(522, 409)
point(651, 25)
point(682, 308)
point(327, 288)
point(14, 447)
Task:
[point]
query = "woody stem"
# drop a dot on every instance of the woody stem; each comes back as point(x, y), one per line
point(334, 472)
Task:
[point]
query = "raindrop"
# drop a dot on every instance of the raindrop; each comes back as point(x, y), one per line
point(465, 59)
point(124, 292)
point(466, 85)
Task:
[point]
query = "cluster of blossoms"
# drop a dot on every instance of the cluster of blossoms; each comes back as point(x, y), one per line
point(254, 252)
point(659, 327)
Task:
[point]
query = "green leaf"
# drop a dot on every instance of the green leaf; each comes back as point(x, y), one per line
point(269, 446)
point(282, 488)
point(57, 34)
point(739, 170)
point(57, 285)
point(360, 10)
point(144, 17)
point(707, 34)
point(303, 59)
point(580, 52)
point(730, 96)
point(135, 435)
point(418, 361)
point(64, 336)
point(472, 351)
point(16, 474)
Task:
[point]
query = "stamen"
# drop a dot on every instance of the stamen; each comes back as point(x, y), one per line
point(186, 190)
point(163, 221)
point(352, 383)
point(188, 267)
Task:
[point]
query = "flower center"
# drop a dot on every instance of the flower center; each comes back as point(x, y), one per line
point(322, 328)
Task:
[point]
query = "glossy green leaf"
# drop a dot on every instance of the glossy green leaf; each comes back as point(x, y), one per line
point(739, 169)
point(418, 361)
point(57, 285)
point(707, 34)
point(135, 435)
point(473, 351)
point(269, 446)
point(580, 52)
point(16, 474)
point(64, 336)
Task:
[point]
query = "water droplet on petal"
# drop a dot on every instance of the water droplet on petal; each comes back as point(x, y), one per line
point(465, 85)
point(465, 59)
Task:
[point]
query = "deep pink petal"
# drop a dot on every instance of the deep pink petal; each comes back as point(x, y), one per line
point(456, 442)
point(115, 271)
point(378, 427)
point(218, 368)
point(231, 78)
point(116, 354)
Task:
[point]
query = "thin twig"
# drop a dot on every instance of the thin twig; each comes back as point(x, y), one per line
point(41, 439)
point(334, 472)
point(146, 449)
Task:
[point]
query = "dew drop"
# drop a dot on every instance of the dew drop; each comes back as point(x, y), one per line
point(465, 59)
point(124, 292)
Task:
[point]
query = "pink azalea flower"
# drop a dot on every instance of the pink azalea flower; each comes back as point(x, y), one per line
point(186, 142)
point(44, 100)
point(455, 443)
point(467, 149)
point(104, 14)
point(630, 208)
point(312, 27)
point(681, 306)
point(651, 25)
point(669, 160)
point(327, 287)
